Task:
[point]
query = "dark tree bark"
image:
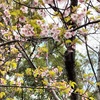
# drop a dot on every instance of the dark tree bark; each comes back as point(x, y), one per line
point(70, 64)
point(70, 57)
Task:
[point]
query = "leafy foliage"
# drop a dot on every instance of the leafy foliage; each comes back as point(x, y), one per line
point(32, 48)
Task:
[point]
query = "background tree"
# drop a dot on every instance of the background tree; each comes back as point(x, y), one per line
point(39, 58)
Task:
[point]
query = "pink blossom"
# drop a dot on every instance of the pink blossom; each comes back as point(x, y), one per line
point(39, 22)
point(48, 1)
point(74, 17)
point(32, 10)
point(44, 27)
point(55, 32)
point(74, 46)
point(19, 55)
point(7, 14)
point(24, 9)
point(19, 25)
point(1, 5)
point(82, 32)
point(27, 30)
point(73, 33)
point(67, 12)
point(5, 20)
point(44, 33)
point(42, 13)
point(4, 31)
point(55, 70)
point(22, 19)
point(84, 96)
point(37, 56)
point(60, 0)
point(44, 74)
point(81, 1)
point(70, 92)
point(68, 35)
point(36, 2)
point(55, 37)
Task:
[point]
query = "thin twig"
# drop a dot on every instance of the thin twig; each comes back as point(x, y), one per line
point(93, 22)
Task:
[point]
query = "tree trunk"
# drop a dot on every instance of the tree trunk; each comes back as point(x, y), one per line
point(70, 68)
point(98, 75)
point(70, 56)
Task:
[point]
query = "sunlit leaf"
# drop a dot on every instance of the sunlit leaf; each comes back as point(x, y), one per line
point(73, 84)
point(2, 94)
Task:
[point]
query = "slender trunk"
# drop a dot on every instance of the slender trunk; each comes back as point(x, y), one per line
point(70, 56)
point(98, 75)
point(70, 68)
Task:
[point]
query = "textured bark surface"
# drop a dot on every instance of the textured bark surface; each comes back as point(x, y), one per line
point(98, 75)
point(70, 57)
point(70, 65)
point(70, 68)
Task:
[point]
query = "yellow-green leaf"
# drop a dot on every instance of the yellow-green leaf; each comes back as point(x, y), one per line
point(98, 83)
point(2, 94)
point(72, 84)
point(91, 98)
point(28, 71)
point(68, 41)
point(1, 24)
point(59, 68)
point(52, 73)
point(45, 82)
point(9, 99)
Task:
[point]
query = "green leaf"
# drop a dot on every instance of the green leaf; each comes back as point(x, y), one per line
point(91, 98)
point(2, 94)
point(68, 41)
point(15, 12)
point(72, 84)
point(77, 41)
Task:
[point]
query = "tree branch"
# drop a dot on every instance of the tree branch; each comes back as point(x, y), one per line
point(93, 22)
point(91, 63)
point(9, 42)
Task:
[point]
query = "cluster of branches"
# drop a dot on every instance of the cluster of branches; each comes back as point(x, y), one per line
point(69, 56)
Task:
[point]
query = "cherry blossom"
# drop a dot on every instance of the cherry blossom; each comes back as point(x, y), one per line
point(5, 20)
point(55, 32)
point(44, 33)
point(22, 19)
point(67, 12)
point(68, 35)
point(39, 22)
point(1, 5)
point(42, 13)
point(74, 46)
point(48, 1)
point(36, 2)
point(32, 10)
point(81, 1)
point(45, 30)
point(24, 9)
point(19, 25)
point(7, 14)
point(17, 37)
point(74, 17)
point(4, 31)
point(55, 70)
point(27, 30)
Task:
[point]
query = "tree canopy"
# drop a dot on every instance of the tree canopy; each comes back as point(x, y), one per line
point(39, 59)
